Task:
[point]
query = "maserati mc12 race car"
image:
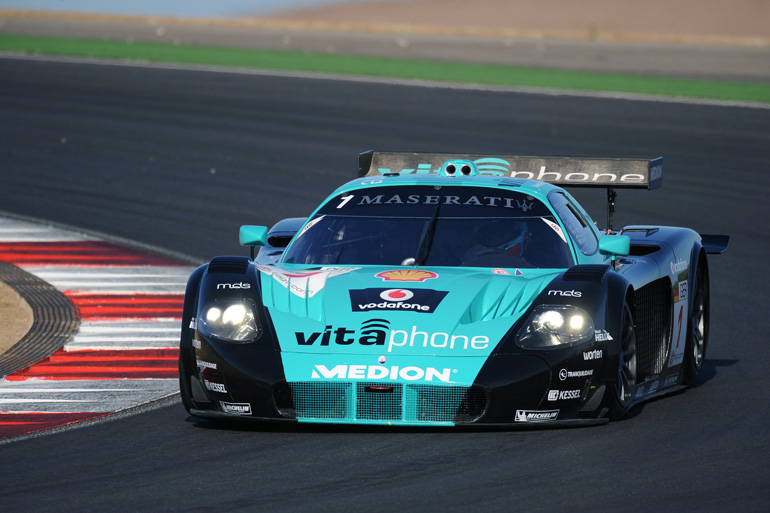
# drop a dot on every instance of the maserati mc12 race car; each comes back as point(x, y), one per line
point(442, 290)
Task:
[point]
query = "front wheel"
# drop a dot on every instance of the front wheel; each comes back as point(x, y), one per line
point(184, 388)
point(626, 379)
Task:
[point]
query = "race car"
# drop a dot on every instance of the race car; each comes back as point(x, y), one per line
point(450, 290)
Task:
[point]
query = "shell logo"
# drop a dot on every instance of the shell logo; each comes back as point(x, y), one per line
point(406, 275)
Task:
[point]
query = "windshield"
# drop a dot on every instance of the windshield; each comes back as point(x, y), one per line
point(434, 226)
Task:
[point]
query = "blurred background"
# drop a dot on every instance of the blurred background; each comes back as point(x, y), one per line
point(734, 21)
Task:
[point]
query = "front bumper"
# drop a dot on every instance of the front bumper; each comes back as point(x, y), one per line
point(241, 383)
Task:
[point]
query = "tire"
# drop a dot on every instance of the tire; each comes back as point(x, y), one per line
point(184, 388)
point(625, 385)
point(697, 334)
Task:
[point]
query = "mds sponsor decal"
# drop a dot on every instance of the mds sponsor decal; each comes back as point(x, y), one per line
point(412, 300)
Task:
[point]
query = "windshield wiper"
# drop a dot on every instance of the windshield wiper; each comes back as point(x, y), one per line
point(427, 240)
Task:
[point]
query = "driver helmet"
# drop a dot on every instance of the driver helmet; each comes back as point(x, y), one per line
point(505, 234)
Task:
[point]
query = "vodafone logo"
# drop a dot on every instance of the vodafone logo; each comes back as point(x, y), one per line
point(411, 300)
point(397, 295)
point(678, 266)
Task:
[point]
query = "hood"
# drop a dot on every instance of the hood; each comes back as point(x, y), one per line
point(392, 311)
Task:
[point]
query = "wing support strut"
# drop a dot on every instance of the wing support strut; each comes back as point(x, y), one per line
point(611, 195)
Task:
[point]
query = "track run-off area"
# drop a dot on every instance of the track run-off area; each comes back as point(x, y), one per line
point(123, 308)
point(178, 159)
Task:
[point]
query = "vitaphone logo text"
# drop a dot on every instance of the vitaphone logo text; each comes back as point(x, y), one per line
point(377, 332)
point(549, 176)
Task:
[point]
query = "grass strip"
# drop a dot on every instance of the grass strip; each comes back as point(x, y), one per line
point(385, 67)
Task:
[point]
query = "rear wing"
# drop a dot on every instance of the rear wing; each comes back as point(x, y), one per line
point(620, 173)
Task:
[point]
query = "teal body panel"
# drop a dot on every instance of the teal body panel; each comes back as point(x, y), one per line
point(322, 340)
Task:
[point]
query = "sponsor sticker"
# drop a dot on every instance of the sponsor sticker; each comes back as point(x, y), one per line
point(205, 365)
point(595, 354)
point(565, 293)
point(536, 415)
point(382, 373)
point(304, 283)
point(602, 335)
point(231, 286)
point(215, 387)
point(312, 222)
point(680, 291)
point(678, 267)
point(503, 272)
point(555, 227)
point(564, 374)
point(412, 300)
point(561, 395)
point(236, 408)
point(679, 335)
point(413, 275)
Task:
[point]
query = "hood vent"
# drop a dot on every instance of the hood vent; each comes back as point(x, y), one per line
point(592, 273)
point(229, 264)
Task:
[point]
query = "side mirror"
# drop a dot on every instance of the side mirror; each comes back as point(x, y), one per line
point(253, 236)
point(615, 245)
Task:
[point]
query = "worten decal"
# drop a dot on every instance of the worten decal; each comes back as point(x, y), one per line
point(413, 300)
point(377, 332)
point(307, 282)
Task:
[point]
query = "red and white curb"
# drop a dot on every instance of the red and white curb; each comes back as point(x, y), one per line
point(125, 351)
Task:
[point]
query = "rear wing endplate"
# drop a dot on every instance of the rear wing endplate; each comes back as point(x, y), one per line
point(715, 244)
point(620, 173)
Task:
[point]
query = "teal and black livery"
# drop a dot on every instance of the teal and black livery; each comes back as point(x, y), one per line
point(451, 290)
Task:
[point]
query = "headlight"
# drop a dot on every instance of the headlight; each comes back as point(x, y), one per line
point(552, 326)
point(232, 320)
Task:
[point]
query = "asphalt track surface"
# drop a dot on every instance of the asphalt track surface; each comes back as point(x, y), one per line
point(180, 159)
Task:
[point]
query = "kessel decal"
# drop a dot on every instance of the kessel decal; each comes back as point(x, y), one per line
point(412, 300)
